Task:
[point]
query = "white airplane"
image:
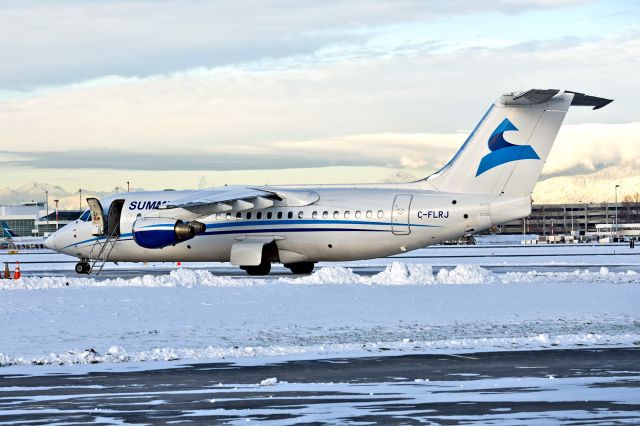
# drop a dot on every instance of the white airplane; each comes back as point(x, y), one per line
point(11, 240)
point(488, 182)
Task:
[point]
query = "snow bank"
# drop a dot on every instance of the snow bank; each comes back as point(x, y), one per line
point(271, 381)
point(117, 354)
point(400, 274)
point(397, 273)
point(502, 239)
point(176, 278)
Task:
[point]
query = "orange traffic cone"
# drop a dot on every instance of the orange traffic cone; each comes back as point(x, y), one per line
point(7, 273)
point(16, 273)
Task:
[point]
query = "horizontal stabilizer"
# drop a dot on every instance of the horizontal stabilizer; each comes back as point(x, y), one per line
point(537, 96)
point(580, 99)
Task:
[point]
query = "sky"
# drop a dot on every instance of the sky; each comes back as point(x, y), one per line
point(191, 94)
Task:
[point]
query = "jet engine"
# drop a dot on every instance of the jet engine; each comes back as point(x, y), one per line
point(158, 232)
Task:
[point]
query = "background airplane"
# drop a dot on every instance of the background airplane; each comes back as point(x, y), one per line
point(11, 240)
point(488, 182)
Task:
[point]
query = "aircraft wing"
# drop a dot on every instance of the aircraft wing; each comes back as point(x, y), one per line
point(229, 199)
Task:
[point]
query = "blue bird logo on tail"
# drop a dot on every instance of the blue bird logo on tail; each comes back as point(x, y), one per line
point(502, 151)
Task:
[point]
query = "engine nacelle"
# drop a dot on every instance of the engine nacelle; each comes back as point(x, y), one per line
point(158, 232)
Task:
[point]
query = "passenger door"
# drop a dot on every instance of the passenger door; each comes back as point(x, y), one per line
point(113, 219)
point(97, 216)
point(400, 214)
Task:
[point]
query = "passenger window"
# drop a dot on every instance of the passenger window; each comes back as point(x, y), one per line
point(228, 216)
point(238, 215)
point(380, 213)
point(300, 215)
point(269, 215)
point(347, 214)
point(369, 213)
point(248, 215)
point(358, 214)
point(219, 216)
point(314, 215)
point(325, 215)
point(290, 215)
point(336, 215)
point(259, 215)
point(279, 215)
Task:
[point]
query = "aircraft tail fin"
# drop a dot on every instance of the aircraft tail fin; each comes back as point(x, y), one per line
point(6, 231)
point(506, 151)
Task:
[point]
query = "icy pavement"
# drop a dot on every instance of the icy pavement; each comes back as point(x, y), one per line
point(539, 387)
point(407, 308)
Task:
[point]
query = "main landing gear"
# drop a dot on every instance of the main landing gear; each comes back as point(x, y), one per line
point(301, 268)
point(262, 269)
point(83, 267)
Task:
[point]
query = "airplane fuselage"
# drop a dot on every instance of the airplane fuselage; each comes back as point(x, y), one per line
point(346, 223)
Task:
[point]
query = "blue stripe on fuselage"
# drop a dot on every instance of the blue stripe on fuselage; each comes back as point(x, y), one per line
point(268, 222)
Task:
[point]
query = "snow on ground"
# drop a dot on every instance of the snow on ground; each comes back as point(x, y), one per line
point(407, 307)
point(397, 273)
point(503, 239)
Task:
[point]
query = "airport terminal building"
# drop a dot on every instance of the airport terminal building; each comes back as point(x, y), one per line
point(574, 219)
point(35, 219)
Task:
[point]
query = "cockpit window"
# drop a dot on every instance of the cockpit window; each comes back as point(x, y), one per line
point(86, 216)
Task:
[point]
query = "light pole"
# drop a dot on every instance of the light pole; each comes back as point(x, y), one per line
point(80, 191)
point(571, 220)
point(127, 186)
point(57, 215)
point(616, 221)
point(46, 202)
point(586, 220)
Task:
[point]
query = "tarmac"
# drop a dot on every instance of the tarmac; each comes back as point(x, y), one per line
point(574, 386)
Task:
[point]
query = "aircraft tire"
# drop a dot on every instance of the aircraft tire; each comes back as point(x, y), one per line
point(301, 268)
point(83, 268)
point(262, 269)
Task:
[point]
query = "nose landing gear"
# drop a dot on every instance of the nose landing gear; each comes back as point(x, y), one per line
point(83, 267)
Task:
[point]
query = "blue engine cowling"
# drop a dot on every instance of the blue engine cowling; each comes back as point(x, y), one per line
point(158, 232)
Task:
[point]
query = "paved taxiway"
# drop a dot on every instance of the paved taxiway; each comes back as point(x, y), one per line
point(547, 386)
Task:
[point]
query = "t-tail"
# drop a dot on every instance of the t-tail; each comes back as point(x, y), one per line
point(7, 233)
point(505, 153)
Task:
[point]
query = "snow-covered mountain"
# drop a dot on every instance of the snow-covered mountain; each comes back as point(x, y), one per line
point(34, 191)
point(594, 187)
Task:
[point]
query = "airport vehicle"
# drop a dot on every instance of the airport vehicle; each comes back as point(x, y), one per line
point(488, 182)
point(11, 240)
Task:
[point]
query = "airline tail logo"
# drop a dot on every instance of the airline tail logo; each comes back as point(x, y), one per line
point(6, 231)
point(502, 151)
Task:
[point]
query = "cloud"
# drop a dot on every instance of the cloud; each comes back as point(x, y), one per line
point(167, 90)
point(372, 111)
point(412, 163)
point(587, 148)
point(65, 41)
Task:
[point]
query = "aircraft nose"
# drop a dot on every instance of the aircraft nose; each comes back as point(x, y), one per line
point(50, 242)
